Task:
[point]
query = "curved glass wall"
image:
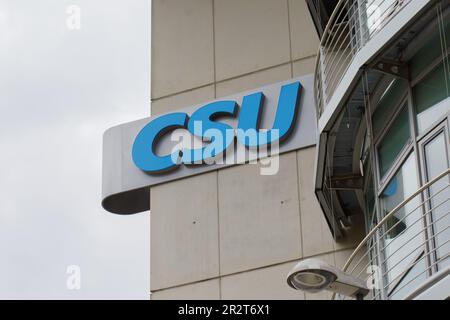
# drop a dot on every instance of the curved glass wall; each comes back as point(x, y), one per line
point(409, 125)
point(403, 230)
point(394, 141)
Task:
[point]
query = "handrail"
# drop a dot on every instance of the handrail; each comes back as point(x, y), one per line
point(322, 40)
point(330, 66)
point(390, 215)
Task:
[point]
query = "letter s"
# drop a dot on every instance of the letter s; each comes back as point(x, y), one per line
point(215, 132)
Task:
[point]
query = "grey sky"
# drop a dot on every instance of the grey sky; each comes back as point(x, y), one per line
point(59, 90)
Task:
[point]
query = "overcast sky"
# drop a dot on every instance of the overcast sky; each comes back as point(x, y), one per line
point(60, 89)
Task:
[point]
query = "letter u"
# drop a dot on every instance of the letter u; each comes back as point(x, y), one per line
point(285, 118)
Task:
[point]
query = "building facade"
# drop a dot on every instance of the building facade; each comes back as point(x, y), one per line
point(370, 196)
point(233, 233)
point(382, 94)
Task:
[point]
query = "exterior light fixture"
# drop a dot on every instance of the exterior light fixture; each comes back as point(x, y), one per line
point(314, 275)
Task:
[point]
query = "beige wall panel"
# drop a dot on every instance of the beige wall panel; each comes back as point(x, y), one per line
point(250, 35)
point(184, 231)
point(259, 216)
point(254, 80)
point(204, 290)
point(304, 38)
point(183, 49)
point(266, 283)
point(182, 100)
point(304, 66)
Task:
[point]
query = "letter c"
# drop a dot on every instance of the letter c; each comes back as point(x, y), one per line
point(143, 152)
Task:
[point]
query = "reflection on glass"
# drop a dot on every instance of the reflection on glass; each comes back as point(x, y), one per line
point(394, 141)
point(439, 193)
point(415, 275)
point(431, 50)
point(402, 234)
point(431, 97)
point(369, 196)
point(378, 11)
point(431, 94)
point(388, 102)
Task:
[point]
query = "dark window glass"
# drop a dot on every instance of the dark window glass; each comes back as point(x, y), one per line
point(429, 95)
point(394, 141)
point(389, 100)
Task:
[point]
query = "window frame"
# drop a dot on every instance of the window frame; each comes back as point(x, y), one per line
point(413, 145)
point(441, 127)
point(382, 181)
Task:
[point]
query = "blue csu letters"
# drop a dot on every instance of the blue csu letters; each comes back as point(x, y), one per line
point(202, 123)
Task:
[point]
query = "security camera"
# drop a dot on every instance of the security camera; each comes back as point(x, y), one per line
point(314, 275)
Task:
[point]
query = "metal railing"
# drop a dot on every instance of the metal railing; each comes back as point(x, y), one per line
point(408, 245)
point(352, 24)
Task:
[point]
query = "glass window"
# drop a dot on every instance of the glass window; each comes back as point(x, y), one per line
point(402, 233)
point(387, 104)
point(394, 141)
point(436, 162)
point(431, 93)
point(430, 97)
point(427, 54)
point(414, 276)
point(369, 196)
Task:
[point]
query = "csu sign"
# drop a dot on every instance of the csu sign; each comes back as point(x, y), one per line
point(202, 138)
point(203, 125)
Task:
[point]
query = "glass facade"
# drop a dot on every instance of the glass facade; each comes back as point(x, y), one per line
point(431, 97)
point(384, 147)
point(435, 153)
point(409, 125)
point(402, 231)
point(396, 138)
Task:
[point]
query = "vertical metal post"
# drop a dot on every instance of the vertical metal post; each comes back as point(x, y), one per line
point(378, 239)
point(323, 78)
point(362, 18)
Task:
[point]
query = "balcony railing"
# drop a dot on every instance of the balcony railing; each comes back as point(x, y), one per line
point(408, 245)
point(352, 24)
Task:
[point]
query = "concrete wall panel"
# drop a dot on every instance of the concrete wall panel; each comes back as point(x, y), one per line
point(265, 283)
point(184, 231)
point(258, 216)
point(183, 49)
point(250, 35)
point(204, 290)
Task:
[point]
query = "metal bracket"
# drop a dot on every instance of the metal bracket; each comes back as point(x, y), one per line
point(392, 68)
point(352, 182)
